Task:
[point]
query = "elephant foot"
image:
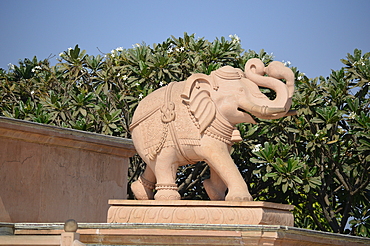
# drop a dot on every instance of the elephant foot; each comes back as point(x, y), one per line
point(143, 189)
point(238, 197)
point(167, 192)
point(213, 192)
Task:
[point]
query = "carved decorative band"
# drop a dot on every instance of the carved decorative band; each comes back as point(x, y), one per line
point(198, 214)
point(166, 187)
point(146, 183)
point(218, 137)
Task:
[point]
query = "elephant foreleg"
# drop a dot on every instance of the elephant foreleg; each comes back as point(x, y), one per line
point(217, 156)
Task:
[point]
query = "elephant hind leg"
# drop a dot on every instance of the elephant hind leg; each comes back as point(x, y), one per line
point(165, 172)
point(215, 187)
point(144, 186)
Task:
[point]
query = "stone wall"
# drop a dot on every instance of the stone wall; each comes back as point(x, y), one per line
point(51, 174)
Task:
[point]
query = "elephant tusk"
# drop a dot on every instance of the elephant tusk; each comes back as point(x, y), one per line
point(270, 110)
point(267, 111)
point(262, 110)
point(291, 112)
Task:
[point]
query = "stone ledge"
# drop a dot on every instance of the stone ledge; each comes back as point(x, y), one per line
point(200, 212)
point(52, 135)
point(188, 234)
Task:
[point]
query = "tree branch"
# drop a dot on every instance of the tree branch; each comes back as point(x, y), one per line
point(312, 213)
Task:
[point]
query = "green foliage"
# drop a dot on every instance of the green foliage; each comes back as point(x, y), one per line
point(317, 160)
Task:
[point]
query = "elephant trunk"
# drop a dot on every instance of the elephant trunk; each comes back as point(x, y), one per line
point(263, 106)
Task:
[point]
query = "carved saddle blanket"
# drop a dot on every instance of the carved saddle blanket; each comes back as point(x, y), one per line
point(164, 120)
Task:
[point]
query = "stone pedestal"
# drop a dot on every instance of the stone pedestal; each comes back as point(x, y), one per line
point(200, 212)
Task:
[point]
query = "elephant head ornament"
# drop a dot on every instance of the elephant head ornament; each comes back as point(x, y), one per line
point(194, 120)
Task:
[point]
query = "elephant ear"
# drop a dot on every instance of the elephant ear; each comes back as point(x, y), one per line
point(198, 97)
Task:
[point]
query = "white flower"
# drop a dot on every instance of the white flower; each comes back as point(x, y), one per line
point(32, 92)
point(181, 49)
point(124, 77)
point(137, 84)
point(161, 83)
point(170, 50)
point(234, 38)
point(135, 45)
point(38, 68)
point(257, 148)
point(352, 115)
point(287, 63)
point(301, 76)
point(11, 66)
point(119, 49)
point(316, 135)
point(141, 95)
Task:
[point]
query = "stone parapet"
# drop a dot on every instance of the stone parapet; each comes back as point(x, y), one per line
point(51, 174)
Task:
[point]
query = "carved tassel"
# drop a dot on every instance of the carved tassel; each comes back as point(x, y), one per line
point(235, 137)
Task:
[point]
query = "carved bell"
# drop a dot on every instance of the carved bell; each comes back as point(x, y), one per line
point(235, 137)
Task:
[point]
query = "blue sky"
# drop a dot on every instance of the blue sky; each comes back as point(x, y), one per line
point(312, 35)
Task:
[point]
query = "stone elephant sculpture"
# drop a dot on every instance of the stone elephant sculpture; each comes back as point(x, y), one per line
point(194, 120)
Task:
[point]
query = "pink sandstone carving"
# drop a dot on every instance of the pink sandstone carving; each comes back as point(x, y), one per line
point(194, 120)
point(200, 212)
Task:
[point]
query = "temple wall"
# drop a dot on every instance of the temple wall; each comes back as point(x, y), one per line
point(51, 174)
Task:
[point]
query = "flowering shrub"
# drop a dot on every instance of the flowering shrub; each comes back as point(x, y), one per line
point(317, 160)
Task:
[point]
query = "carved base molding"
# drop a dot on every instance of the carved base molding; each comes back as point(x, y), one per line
point(200, 212)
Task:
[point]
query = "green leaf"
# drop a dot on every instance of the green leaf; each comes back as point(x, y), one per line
point(83, 111)
point(306, 188)
point(279, 180)
point(297, 180)
point(290, 129)
point(317, 120)
point(284, 187)
point(271, 175)
point(314, 181)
